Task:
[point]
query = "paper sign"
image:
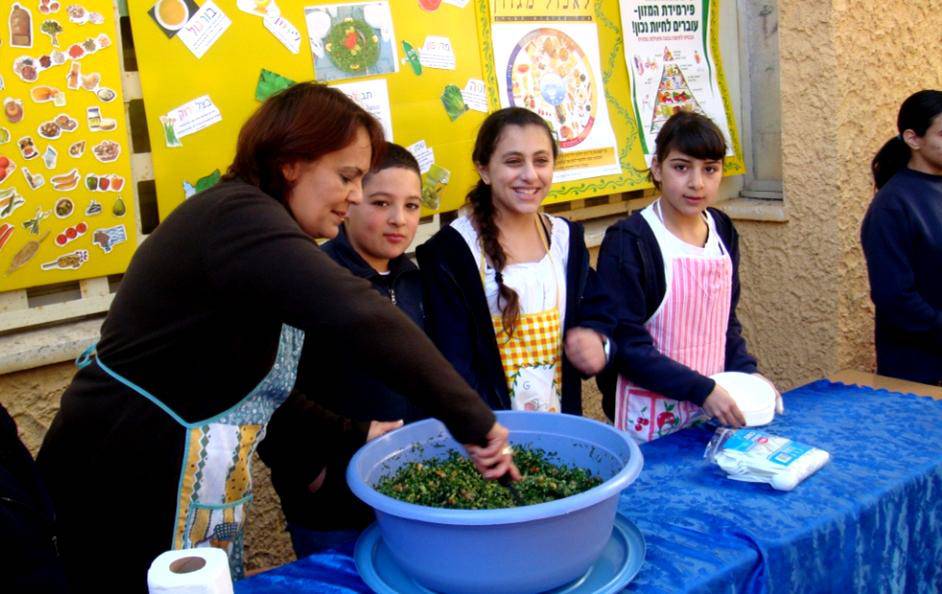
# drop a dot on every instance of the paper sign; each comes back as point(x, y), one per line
point(373, 96)
point(207, 25)
point(284, 32)
point(475, 95)
point(437, 53)
point(189, 118)
point(423, 154)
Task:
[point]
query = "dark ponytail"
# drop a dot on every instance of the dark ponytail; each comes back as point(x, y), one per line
point(482, 203)
point(893, 156)
point(916, 114)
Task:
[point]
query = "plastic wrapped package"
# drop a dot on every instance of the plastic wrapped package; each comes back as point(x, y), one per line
point(758, 457)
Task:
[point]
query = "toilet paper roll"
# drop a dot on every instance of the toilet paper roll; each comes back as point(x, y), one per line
point(190, 571)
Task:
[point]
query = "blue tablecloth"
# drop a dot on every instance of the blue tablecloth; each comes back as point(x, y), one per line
point(870, 521)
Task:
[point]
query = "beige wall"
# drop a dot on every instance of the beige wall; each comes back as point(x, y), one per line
point(846, 66)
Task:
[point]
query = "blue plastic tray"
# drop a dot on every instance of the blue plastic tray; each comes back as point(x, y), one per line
point(619, 563)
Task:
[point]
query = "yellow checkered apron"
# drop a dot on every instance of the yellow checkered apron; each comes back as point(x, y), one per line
point(535, 344)
point(532, 356)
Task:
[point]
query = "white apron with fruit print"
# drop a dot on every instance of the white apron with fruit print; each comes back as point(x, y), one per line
point(689, 326)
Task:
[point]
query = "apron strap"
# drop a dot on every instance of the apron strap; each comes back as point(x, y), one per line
point(90, 355)
point(85, 359)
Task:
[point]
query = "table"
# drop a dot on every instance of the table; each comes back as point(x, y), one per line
point(870, 521)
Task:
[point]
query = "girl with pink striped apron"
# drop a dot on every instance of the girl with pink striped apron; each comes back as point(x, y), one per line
point(689, 326)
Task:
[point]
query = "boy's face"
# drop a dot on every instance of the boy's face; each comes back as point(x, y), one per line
point(382, 226)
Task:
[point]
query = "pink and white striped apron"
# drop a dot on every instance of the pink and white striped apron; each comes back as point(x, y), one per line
point(689, 326)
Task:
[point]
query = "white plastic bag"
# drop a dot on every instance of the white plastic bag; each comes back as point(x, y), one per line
point(758, 457)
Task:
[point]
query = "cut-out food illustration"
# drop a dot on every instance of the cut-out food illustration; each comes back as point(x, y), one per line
point(70, 234)
point(352, 45)
point(10, 200)
point(106, 151)
point(6, 167)
point(13, 110)
point(70, 261)
point(26, 253)
point(66, 181)
point(21, 27)
point(64, 208)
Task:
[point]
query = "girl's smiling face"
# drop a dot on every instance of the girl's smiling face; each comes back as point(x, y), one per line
point(688, 184)
point(520, 170)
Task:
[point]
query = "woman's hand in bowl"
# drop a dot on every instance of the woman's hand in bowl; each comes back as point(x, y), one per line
point(380, 428)
point(495, 459)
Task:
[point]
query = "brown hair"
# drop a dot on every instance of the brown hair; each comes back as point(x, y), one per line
point(482, 202)
point(300, 124)
point(690, 133)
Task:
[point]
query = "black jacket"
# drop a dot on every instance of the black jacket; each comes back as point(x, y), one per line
point(632, 268)
point(28, 558)
point(902, 240)
point(344, 398)
point(459, 321)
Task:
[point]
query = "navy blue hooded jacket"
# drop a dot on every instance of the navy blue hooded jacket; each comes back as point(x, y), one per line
point(344, 398)
point(459, 322)
point(902, 240)
point(632, 268)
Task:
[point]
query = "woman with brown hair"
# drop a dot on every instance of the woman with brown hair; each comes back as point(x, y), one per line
point(151, 447)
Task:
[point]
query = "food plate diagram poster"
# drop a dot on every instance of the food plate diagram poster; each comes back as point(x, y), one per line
point(671, 56)
point(548, 61)
point(67, 206)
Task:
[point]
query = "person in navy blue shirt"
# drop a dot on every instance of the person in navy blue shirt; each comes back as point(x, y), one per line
point(902, 242)
point(352, 404)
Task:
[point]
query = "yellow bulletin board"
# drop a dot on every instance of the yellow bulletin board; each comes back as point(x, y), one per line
point(66, 203)
point(172, 76)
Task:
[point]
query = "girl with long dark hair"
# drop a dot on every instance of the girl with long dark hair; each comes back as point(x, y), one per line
point(902, 241)
point(510, 298)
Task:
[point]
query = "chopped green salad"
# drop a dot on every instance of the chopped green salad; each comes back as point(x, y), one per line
point(453, 482)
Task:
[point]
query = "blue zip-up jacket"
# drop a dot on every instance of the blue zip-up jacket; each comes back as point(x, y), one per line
point(459, 321)
point(632, 268)
point(902, 241)
point(344, 398)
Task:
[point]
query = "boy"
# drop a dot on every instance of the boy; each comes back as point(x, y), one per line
point(320, 509)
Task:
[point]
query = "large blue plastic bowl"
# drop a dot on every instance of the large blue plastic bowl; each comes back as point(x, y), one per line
point(523, 549)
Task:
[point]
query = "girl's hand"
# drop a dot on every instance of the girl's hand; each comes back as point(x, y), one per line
point(585, 350)
point(379, 428)
point(721, 406)
point(779, 404)
point(495, 459)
